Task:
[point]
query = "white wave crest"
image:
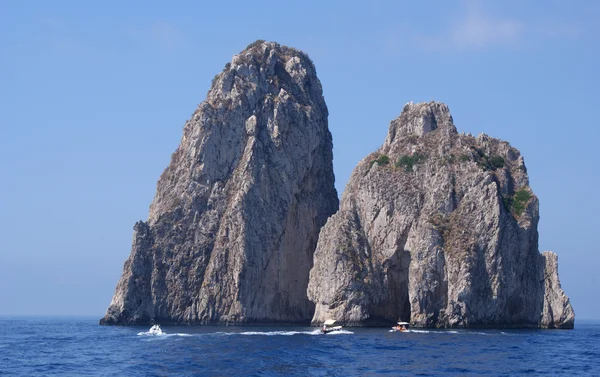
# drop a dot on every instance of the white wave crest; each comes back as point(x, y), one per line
point(149, 333)
point(157, 331)
point(283, 333)
point(272, 333)
point(421, 331)
point(434, 331)
point(339, 332)
point(447, 332)
point(163, 335)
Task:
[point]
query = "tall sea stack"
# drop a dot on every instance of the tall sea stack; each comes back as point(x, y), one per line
point(235, 220)
point(440, 229)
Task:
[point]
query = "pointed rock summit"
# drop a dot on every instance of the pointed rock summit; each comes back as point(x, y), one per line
point(436, 228)
point(440, 229)
point(235, 220)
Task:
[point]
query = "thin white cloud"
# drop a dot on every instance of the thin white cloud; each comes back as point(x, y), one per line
point(168, 36)
point(478, 30)
point(163, 35)
point(473, 30)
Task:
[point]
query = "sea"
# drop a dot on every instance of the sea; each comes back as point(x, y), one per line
point(72, 346)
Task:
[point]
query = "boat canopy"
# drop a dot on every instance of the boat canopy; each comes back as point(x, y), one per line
point(403, 323)
point(329, 322)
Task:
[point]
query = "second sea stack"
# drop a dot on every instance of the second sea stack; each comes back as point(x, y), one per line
point(440, 229)
point(235, 220)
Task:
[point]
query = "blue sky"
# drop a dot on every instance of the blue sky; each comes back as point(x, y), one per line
point(94, 98)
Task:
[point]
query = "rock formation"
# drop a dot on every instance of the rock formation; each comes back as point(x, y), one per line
point(235, 220)
point(440, 229)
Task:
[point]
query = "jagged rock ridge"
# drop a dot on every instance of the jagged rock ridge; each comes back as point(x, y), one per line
point(438, 228)
point(235, 220)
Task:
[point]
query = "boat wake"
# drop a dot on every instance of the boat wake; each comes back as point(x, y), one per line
point(162, 334)
point(285, 333)
point(157, 331)
point(339, 332)
point(274, 333)
point(452, 332)
point(433, 331)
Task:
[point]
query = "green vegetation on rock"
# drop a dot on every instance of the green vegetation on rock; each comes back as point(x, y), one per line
point(255, 43)
point(496, 162)
point(381, 160)
point(409, 161)
point(484, 161)
point(520, 199)
point(516, 203)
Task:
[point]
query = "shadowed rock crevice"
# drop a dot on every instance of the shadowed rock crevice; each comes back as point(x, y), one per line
point(397, 277)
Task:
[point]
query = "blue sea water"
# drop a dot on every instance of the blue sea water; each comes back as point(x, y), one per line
point(80, 347)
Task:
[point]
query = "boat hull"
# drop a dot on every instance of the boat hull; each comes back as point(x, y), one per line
point(330, 329)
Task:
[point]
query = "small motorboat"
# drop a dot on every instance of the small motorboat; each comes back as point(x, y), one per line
point(402, 326)
point(329, 326)
point(155, 330)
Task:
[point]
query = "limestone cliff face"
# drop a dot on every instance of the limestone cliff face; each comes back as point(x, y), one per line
point(235, 220)
point(440, 229)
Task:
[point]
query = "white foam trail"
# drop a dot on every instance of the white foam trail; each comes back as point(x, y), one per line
point(339, 332)
point(447, 332)
point(284, 333)
point(148, 333)
point(434, 331)
point(155, 330)
point(163, 335)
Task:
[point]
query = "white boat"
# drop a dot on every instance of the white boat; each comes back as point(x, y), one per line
point(155, 330)
point(402, 326)
point(328, 326)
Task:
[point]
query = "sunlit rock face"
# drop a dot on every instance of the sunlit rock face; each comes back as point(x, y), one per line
point(235, 220)
point(440, 229)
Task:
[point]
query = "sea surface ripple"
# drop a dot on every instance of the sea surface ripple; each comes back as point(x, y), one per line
point(61, 346)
